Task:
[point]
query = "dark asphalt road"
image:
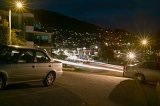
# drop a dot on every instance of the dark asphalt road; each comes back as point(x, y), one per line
point(81, 89)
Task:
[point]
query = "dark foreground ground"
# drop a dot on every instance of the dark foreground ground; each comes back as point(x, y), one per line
point(82, 89)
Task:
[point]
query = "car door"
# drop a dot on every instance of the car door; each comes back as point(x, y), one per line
point(24, 67)
point(157, 72)
point(43, 64)
point(151, 71)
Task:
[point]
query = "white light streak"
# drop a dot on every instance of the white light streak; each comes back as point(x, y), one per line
point(106, 67)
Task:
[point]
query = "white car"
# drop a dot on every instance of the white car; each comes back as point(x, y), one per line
point(145, 71)
point(24, 64)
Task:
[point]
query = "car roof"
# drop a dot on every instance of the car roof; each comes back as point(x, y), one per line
point(150, 62)
point(24, 47)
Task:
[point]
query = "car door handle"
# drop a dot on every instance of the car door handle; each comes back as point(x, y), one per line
point(33, 66)
point(49, 66)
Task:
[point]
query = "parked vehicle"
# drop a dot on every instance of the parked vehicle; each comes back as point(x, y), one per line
point(145, 71)
point(24, 64)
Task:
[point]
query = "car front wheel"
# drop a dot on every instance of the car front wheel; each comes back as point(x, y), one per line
point(50, 78)
point(2, 82)
point(140, 77)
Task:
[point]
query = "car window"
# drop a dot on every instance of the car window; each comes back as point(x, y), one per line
point(142, 65)
point(8, 54)
point(149, 65)
point(26, 56)
point(41, 57)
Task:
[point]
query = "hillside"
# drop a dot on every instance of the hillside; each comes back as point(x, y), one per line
point(50, 19)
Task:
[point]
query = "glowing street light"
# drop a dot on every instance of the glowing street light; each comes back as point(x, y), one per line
point(19, 5)
point(96, 47)
point(144, 42)
point(131, 55)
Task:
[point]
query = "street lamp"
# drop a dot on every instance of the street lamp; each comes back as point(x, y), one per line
point(96, 47)
point(131, 55)
point(19, 5)
point(145, 43)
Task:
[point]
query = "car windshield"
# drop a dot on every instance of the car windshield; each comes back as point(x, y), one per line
point(150, 65)
point(8, 54)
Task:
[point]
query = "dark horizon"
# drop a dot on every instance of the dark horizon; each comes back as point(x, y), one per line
point(134, 15)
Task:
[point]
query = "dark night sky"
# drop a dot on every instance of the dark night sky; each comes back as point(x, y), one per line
point(133, 15)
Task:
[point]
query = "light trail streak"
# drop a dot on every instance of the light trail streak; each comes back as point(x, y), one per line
point(108, 65)
point(90, 66)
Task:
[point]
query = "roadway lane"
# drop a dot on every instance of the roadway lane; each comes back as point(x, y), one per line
point(80, 89)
